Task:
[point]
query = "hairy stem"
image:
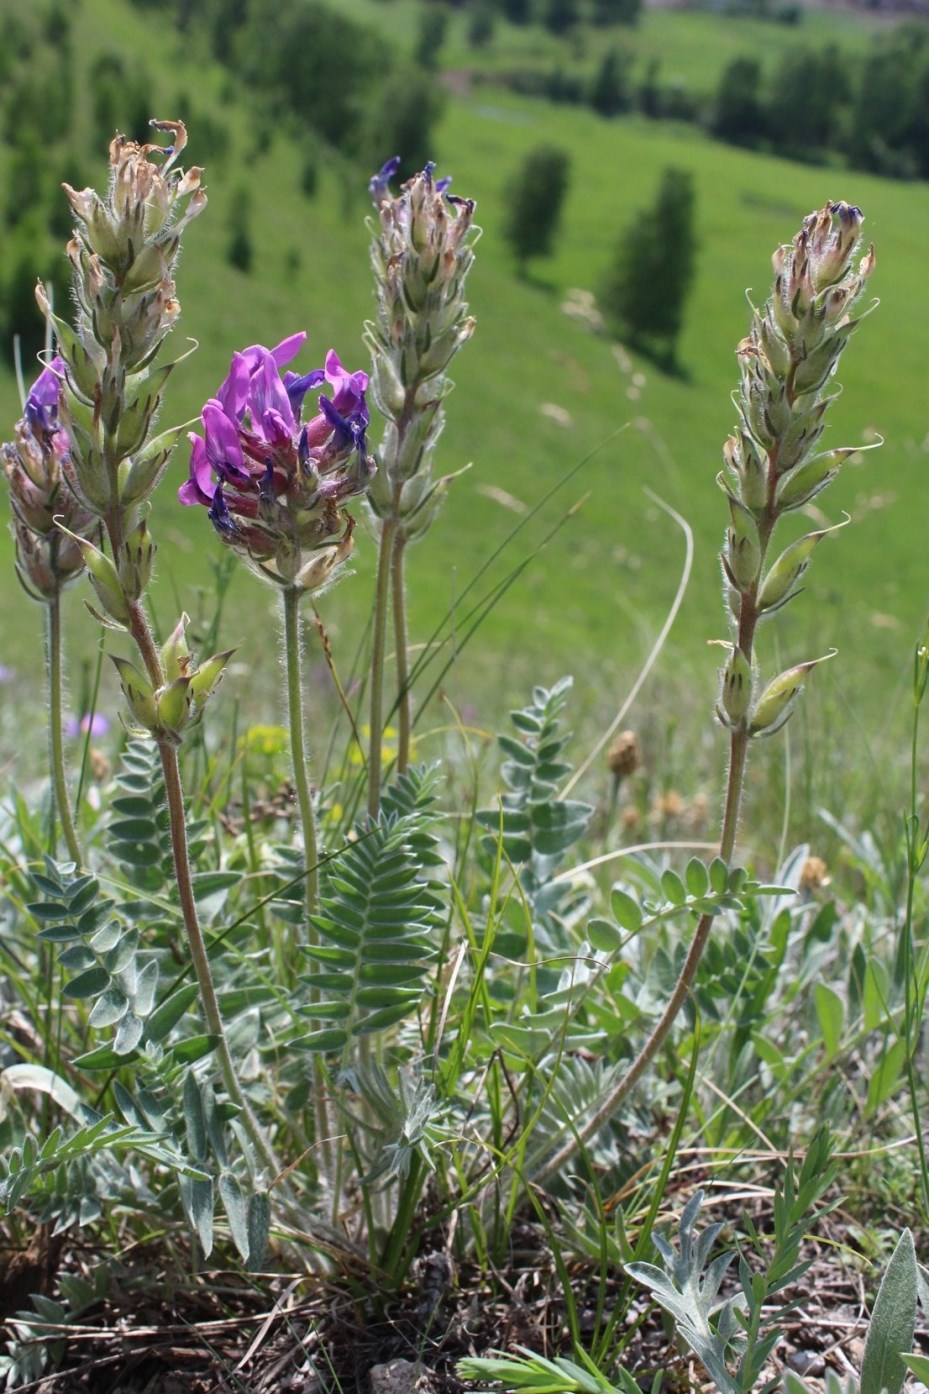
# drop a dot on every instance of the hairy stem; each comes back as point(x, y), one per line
point(378, 655)
point(292, 650)
point(56, 748)
point(199, 957)
point(141, 632)
point(298, 752)
point(398, 601)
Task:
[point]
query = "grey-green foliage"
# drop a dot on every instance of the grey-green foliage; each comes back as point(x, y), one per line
point(733, 1336)
point(408, 1119)
point(138, 830)
point(31, 1350)
point(56, 1173)
point(100, 950)
point(532, 826)
point(689, 1290)
point(376, 929)
point(890, 1332)
point(208, 1123)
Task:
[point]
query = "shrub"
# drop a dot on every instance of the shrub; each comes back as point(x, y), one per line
point(644, 292)
point(611, 92)
point(535, 203)
point(738, 114)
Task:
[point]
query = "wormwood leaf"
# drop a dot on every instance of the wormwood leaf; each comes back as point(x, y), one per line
point(688, 1290)
point(236, 1208)
point(893, 1322)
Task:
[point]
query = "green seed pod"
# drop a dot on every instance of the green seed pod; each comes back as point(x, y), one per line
point(799, 485)
point(138, 692)
point(133, 424)
point(743, 547)
point(104, 578)
point(736, 695)
point(173, 703)
point(775, 704)
point(777, 586)
point(134, 564)
point(140, 475)
point(204, 682)
point(775, 348)
point(803, 433)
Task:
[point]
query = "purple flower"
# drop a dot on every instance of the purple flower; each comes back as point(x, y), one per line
point(42, 401)
point(379, 184)
point(95, 724)
point(275, 484)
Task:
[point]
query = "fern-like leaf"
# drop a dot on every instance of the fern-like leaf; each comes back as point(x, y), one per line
point(376, 926)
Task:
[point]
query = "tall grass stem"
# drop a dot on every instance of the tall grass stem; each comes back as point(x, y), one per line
point(656, 648)
point(611, 1102)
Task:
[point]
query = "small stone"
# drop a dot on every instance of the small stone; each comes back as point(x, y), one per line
point(806, 1362)
point(400, 1377)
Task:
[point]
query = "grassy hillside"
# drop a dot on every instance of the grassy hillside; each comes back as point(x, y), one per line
point(537, 393)
point(692, 46)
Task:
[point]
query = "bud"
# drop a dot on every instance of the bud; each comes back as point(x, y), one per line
point(45, 565)
point(421, 254)
point(138, 692)
point(814, 873)
point(34, 465)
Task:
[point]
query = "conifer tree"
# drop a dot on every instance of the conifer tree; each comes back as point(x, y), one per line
point(644, 291)
point(535, 203)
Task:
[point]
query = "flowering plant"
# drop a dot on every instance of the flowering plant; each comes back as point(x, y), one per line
point(273, 483)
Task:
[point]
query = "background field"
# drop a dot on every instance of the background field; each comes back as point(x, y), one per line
point(537, 393)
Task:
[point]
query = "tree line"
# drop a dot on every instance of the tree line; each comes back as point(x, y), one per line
point(815, 104)
point(873, 110)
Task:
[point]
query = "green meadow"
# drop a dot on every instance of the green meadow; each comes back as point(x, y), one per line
point(543, 404)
